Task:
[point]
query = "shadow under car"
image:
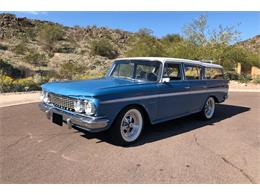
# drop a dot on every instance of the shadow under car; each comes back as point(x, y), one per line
point(174, 127)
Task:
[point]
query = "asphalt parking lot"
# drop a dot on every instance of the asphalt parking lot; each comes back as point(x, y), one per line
point(186, 150)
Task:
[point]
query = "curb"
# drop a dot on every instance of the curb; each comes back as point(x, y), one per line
point(20, 103)
point(244, 90)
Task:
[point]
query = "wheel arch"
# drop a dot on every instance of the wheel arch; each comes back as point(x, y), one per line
point(215, 98)
point(145, 114)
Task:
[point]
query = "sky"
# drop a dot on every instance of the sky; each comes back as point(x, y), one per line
point(161, 23)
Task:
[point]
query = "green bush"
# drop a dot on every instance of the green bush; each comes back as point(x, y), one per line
point(69, 69)
point(103, 47)
point(20, 48)
point(244, 78)
point(8, 84)
point(49, 34)
point(38, 59)
point(146, 45)
point(257, 80)
point(231, 75)
point(66, 48)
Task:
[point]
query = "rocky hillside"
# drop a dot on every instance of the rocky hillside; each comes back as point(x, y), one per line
point(252, 44)
point(34, 45)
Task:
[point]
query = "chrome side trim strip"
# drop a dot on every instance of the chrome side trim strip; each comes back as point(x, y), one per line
point(223, 90)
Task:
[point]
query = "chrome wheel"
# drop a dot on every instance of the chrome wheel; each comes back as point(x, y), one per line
point(131, 125)
point(209, 108)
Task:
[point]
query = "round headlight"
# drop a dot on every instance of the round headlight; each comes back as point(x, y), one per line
point(78, 106)
point(89, 107)
point(45, 97)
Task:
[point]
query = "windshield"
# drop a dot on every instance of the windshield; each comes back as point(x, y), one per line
point(136, 69)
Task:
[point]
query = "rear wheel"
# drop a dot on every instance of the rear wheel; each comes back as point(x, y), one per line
point(128, 126)
point(208, 109)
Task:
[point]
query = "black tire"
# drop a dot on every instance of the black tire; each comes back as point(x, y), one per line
point(205, 115)
point(115, 131)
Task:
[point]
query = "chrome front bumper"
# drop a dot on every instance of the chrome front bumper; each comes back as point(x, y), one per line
point(91, 124)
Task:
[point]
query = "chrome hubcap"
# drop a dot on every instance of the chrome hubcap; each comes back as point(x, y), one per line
point(131, 125)
point(209, 107)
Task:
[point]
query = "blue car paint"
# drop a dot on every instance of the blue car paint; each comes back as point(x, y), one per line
point(161, 101)
point(101, 90)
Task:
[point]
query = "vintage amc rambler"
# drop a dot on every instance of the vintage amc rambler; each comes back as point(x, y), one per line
point(136, 91)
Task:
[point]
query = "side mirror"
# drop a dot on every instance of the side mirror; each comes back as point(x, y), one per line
point(165, 80)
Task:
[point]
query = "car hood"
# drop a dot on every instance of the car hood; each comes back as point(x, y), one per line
point(88, 88)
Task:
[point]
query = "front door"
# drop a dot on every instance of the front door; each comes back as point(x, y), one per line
point(174, 95)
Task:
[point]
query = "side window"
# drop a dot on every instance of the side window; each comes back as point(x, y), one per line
point(147, 72)
point(192, 72)
point(214, 73)
point(172, 71)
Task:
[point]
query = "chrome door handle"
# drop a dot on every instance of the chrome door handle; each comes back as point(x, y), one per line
point(188, 87)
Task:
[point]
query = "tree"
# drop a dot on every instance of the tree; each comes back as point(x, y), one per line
point(146, 45)
point(172, 39)
point(196, 32)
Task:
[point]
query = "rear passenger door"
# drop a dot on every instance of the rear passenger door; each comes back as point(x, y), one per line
point(198, 86)
point(173, 101)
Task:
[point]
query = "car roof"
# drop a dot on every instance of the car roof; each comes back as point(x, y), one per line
point(164, 59)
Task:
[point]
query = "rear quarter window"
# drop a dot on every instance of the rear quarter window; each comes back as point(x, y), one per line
point(214, 73)
point(192, 72)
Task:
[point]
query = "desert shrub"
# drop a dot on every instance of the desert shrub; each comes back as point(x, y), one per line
point(244, 78)
point(87, 76)
point(8, 84)
point(66, 48)
point(231, 75)
point(25, 84)
point(103, 47)
point(256, 80)
point(38, 59)
point(69, 69)
point(39, 79)
point(49, 34)
point(20, 48)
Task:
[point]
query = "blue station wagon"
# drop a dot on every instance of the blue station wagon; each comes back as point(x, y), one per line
point(134, 92)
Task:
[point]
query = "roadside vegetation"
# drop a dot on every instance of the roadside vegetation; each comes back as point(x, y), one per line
point(46, 51)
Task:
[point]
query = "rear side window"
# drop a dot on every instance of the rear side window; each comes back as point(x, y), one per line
point(192, 72)
point(172, 71)
point(214, 73)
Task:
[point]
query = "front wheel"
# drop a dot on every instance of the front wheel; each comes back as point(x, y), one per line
point(208, 109)
point(128, 126)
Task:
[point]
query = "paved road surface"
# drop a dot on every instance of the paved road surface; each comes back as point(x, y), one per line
point(187, 150)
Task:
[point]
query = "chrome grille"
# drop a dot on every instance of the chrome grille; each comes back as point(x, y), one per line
point(62, 102)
